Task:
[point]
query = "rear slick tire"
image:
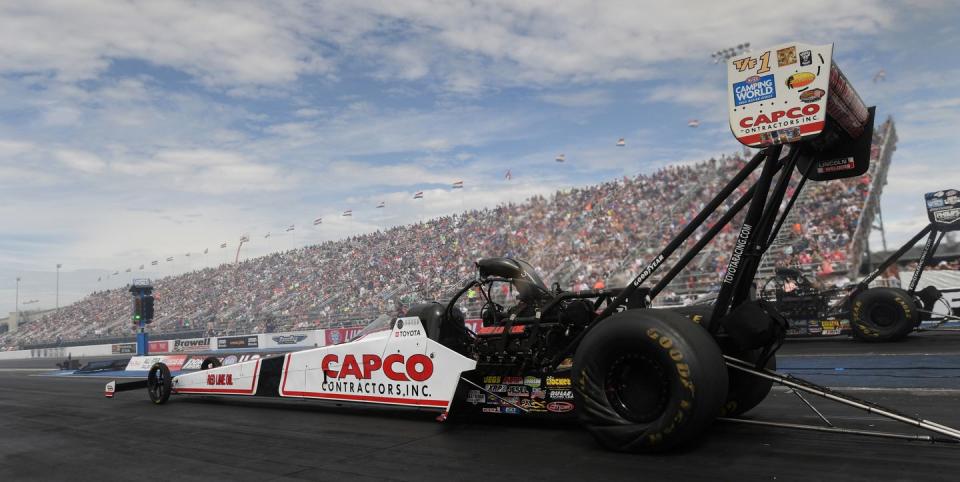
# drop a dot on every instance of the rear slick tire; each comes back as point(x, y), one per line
point(745, 391)
point(647, 381)
point(883, 314)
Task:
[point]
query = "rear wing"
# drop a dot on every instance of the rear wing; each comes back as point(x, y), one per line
point(943, 209)
point(794, 93)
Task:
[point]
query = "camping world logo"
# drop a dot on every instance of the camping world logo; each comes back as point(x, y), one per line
point(754, 89)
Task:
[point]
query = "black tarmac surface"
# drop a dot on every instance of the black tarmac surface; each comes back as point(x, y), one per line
point(54, 428)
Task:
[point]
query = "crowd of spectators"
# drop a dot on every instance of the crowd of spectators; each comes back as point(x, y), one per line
point(580, 238)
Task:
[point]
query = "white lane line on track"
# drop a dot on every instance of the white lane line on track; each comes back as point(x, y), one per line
point(918, 391)
point(869, 354)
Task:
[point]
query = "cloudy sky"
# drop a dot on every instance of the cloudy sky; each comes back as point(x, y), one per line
point(135, 131)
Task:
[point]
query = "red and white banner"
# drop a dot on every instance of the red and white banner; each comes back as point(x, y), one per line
point(143, 363)
point(162, 346)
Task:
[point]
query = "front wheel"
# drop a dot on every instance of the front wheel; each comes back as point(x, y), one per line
point(159, 383)
point(648, 380)
point(883, 314)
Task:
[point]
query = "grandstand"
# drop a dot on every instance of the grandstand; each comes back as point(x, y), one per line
point(581, 238)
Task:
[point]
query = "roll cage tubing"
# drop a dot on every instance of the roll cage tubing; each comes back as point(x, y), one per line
point(752, 243)
point(761, 218)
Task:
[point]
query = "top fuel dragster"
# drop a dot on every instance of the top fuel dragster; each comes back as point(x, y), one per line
point(639, 379)
point(880, 313)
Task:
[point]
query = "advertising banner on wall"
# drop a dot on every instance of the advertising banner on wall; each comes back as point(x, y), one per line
point(123, 348)
point(230, 342)
point(299, 339)
point(191, 344)
point(159, 346)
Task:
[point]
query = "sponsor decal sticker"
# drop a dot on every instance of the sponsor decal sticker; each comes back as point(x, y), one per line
point(559, 407)
point(538, 393)
point(513, 380)
point(561, 395)
point(532, 405)
point(558, 381)
point(754, 89)
point(812, 95)
point(496, 388)
point(800, 79)
point(947, 215)
point(491, 379)
point(787, 56)
point(531, 381)
point(220, 379)
point(518, 391)
point(475, 397)
point(491, 409)
point(806, 58)
point(835, 165)
point(780, 118)
point(510, 410)
point(353, 373)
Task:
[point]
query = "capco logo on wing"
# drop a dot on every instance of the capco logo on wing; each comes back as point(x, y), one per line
point(417, 367)
point(778, 115)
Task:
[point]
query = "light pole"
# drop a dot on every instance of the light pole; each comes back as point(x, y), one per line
point(17, 305)
point(58, 286)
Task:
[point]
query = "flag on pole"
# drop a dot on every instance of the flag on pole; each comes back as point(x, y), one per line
point(187, 255)
point(205, 250)
point(458, 185)
point(128, 270)
point(622, 142)
point(116, 273)
point(245, 238)
point(348, 212)
point(98, 279)
point(59, 265)
point(381, 205)
point(223, 245)
point(318, 221)
point(265, 236)
point(290, 228)
point(141, 267)
point(154, 263)
point(418, 195)
point(170, 258)
point(508, 175)
point(561, 158)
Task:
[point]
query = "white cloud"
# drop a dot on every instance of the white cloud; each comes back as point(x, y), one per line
point(81, 161)
point(584, 98)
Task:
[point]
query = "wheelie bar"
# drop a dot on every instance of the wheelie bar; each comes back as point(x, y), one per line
point(821, 391)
